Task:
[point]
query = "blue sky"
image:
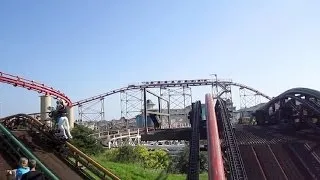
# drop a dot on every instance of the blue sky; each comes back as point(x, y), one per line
point(85, 48)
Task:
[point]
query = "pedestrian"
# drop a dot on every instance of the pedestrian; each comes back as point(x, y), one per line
point(63, 122)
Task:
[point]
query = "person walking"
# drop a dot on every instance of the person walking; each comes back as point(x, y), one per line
point(63, 122)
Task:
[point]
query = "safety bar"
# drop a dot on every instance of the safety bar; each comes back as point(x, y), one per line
point(216, 168)
point(27, 153)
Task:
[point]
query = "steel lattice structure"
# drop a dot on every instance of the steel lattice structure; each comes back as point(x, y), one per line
point(180, 99)
point(248, 98)
point(131, 103)
point(92, 111)
point(177, 92)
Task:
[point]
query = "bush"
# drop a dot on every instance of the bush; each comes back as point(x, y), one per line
point(126, 154)
point(111, 155)
point(155, 159)
point(180, 164)
point(88, 144)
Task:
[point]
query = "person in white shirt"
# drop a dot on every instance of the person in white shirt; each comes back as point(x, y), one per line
point(62, 120)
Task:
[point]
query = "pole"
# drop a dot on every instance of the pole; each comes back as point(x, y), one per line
point(168, 107)
point(159, 106)
point(216, 84)
point(145, 115)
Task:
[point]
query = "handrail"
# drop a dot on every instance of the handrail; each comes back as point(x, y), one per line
point(216, 168)
point(73, 151)
point(27, 153)
point(88, 159)
point(234, 157)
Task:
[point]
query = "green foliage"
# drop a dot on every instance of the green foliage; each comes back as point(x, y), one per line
point(180, 164)
point(132, 171)
point(88, 144)
point(126, 154)
point(155, 159)
point(111, 155)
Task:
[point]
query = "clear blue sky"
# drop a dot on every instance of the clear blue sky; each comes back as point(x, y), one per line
point(88, 47)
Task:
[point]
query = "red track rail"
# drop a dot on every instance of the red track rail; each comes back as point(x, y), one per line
point(216, 168)
point(34, 86)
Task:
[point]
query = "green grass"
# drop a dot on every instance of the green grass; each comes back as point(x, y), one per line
point(136, 172)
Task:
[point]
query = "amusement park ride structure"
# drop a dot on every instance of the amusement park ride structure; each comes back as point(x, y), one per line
point(176, 93)
point(299, 107)
point(173, 94)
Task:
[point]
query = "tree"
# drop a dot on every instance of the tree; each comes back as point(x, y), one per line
point(180, 163)
point(86, 143)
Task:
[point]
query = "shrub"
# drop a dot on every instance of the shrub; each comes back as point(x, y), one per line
point(88, 144)
point(180, 163)
point(126, 154)
point(155, 159)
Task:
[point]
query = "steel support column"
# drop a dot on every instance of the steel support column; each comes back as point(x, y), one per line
point(131, 103)
point(145, 115)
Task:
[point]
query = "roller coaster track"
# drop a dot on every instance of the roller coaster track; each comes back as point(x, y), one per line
point(175, 83)
point(195, 117)
point(71, 155)
point(237, 170)
point(32, 85)
point(299, 94)
point(309, 99)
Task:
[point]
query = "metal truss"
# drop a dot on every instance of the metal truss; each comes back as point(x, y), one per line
point(93, 111)
point(248, 98)
point(131, 103)
point(224, 92)
point(169, 84)
point(180, 99)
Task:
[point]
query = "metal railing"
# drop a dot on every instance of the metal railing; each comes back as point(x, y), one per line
point(15, 145)
point(215, 162)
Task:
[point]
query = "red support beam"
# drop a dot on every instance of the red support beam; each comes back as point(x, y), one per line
point(216, 168)
point(34, 86)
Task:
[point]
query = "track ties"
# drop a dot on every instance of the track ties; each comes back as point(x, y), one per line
point(301, 161)
point(249, 161)
point(276, 160)
point(259, 164)
point(272, 169)
point(316, 162)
